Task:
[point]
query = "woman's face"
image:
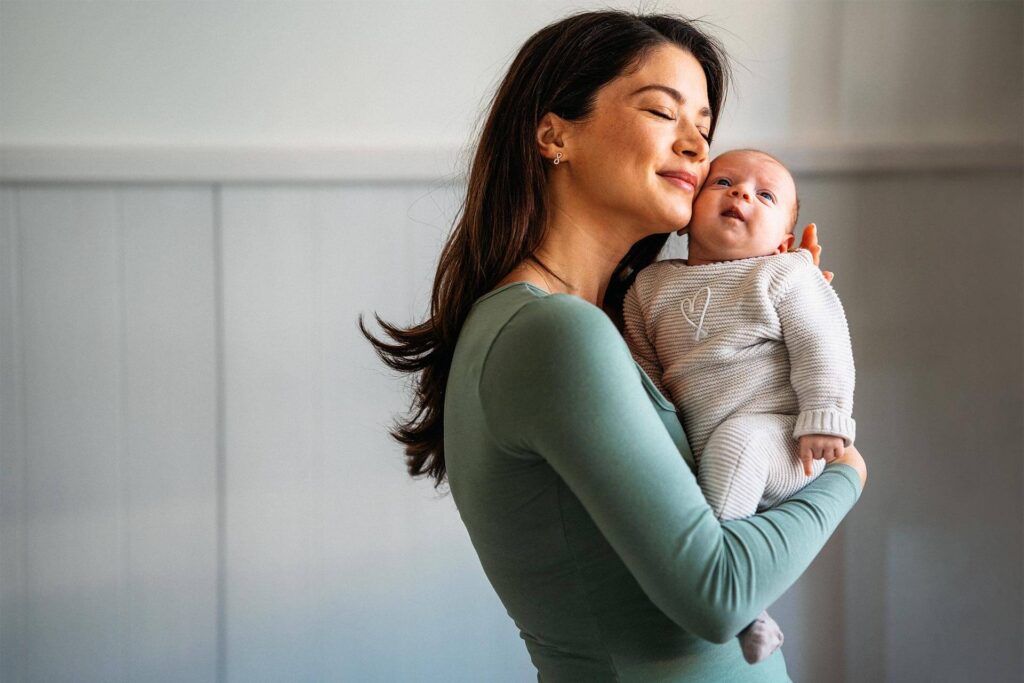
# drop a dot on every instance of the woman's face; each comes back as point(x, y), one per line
point(642, 154)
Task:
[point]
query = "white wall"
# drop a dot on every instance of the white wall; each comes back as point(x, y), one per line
point(357, 89)
point(195, 481)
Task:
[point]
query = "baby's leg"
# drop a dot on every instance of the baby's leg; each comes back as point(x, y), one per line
point(785, 471)
point(734, 467)
point(747, 464)
point(750, 463)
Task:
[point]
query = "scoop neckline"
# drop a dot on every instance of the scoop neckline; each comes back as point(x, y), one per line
point(529, 285)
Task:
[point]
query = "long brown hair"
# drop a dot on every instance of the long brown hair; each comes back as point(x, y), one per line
point(502, 219)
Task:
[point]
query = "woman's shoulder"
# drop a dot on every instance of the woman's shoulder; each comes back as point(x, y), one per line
point(528, 319)
point(561, 317)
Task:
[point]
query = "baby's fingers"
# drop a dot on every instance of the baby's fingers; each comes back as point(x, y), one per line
point(806, 457)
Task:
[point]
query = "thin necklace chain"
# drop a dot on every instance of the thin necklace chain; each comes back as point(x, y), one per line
point(538, 271)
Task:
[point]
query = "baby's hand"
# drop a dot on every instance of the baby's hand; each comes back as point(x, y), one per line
point(819, 447)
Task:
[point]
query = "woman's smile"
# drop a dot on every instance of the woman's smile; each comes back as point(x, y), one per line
point(681, 179)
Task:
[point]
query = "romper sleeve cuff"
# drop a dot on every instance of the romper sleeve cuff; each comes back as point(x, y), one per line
point(826, 421)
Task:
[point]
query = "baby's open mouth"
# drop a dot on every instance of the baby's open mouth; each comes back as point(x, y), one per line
point(733, 213)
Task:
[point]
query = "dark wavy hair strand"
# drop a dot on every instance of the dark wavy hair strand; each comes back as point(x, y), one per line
point(502, 220)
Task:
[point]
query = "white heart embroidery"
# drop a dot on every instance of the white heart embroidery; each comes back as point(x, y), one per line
point(691, 303)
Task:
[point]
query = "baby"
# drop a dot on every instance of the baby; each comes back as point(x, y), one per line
point(751, 344)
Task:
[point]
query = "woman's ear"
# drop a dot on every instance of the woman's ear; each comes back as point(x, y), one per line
point(551, 133)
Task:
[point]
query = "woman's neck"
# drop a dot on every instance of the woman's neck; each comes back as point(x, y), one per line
point(582, 253)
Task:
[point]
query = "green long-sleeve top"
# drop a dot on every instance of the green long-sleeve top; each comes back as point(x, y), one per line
point(575, 481)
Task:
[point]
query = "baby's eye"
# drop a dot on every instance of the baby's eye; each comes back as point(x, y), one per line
point(723, 181)
point(767, 195)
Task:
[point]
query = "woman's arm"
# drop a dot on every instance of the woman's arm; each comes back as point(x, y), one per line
point(559, 382)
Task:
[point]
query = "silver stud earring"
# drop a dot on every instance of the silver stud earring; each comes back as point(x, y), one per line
point(558, 158)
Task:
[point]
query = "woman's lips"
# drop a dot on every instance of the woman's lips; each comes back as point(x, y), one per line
point(681, 179)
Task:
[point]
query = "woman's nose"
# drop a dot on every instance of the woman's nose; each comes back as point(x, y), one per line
point(693, 146)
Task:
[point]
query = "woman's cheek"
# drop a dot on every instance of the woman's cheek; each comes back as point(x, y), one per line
point(680, 209)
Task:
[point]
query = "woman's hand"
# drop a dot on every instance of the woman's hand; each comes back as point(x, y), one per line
point(852, 457)
point(810, 242)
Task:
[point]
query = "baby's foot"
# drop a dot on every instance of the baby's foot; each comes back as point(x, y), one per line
point(760, 639)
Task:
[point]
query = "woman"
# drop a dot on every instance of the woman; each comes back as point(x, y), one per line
point(569, 469)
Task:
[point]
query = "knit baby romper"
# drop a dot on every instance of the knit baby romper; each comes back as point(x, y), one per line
point(754, 353)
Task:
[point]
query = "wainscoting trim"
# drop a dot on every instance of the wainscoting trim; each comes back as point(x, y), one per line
point(28, 164)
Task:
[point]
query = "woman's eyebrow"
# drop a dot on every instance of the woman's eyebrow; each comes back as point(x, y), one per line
point(671, 92)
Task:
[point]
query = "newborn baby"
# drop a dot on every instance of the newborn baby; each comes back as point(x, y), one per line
point(751, 344)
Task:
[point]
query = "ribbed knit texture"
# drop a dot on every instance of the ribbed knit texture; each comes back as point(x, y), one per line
point(757, 336)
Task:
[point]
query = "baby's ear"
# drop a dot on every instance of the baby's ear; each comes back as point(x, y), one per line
point(786, 244)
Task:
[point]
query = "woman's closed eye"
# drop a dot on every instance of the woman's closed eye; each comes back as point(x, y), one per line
point(662, 114)
point(668, 117)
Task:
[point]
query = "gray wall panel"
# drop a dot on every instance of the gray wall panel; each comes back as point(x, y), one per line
point(112, 325)
point(13, 529)
point(929, 270)
point(169, 432)
point(75, 481)
point(336, 565)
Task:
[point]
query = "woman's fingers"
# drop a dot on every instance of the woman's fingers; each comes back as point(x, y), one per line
point(809, 241)
point(852, 457)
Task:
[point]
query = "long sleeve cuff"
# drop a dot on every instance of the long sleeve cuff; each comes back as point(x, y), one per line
point(826, 421)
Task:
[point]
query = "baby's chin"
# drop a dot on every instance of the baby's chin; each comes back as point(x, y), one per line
point(716, 251)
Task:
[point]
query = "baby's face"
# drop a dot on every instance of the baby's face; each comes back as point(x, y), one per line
point(745, 209)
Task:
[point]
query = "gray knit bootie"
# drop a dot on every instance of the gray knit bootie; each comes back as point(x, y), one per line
point(760, 639)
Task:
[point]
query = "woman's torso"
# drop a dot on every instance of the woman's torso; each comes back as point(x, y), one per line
point(580, 611)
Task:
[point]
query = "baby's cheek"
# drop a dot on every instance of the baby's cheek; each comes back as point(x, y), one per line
point(701, 209)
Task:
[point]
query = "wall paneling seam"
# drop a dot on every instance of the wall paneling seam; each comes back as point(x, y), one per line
point(221, 436)
point(124, 512)
point(17, 337)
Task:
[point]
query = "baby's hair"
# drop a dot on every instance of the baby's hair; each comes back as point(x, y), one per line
point(796, 195)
